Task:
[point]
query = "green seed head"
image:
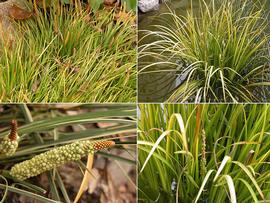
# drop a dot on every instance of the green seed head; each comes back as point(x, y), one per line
point(56, 157)
point(203, 157)
point(8, 147)
point(9, 144)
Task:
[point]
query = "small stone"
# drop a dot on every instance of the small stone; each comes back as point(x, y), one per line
point(148, 5)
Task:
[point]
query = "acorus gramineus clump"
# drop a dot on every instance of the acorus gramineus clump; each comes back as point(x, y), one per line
point(56, 157)
point(9, 144)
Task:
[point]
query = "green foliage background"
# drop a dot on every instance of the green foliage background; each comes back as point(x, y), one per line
point(208, 153)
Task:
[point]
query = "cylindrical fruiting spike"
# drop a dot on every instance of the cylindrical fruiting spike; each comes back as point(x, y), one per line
point(13, 130)
point(56, 157)
point(9, 144)
point(203, 157)
point(8, 147)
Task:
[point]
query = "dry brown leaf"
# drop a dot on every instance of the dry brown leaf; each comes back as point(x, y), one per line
point(110, 192)
point(18, 13)
point(94, 181)
point(12, 9)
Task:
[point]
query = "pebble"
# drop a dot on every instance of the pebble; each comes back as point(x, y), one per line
point(148, 5)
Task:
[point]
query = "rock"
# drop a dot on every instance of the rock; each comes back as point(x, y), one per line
point(148, 5)
point(9, 11)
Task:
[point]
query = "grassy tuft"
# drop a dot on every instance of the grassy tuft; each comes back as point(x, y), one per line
point(221, 52)
point(67, 53)
point(204, 153)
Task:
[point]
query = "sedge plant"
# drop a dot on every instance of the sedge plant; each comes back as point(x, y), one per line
point(204, 153)
point(220, 52)
point(44, 145)
point(68, 53)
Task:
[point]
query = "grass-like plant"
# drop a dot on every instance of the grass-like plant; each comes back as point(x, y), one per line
point(204, 153)
point(67, 53)
point(220, 51)
point(45, 143)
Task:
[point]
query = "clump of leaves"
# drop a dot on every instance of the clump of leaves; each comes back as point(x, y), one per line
point(67, 53)
point(220, 52)
point(204, 153)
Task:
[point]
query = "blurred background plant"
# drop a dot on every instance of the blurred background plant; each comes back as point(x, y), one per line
point(204, 153)
point(62, 52)
point(96, 4)
point(43, 127)
point(216, 51)
point(130, 4)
